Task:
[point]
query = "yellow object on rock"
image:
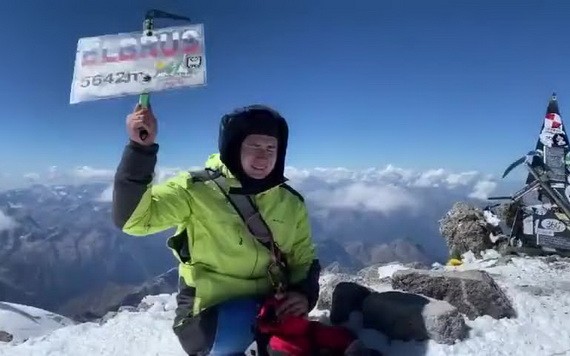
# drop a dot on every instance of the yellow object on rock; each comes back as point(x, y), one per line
point(454, 262)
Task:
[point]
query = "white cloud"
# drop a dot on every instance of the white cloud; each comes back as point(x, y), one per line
point(163, 173)
point(53, 173)
point(399, 177)
point(359, 195)
point(441, 178)
point(386, 190)
point(383, 204)
point(6, 222)
point(392, 173)
point(483, 189)
point(431, 178)
point(86, 172)
point(370, 187)
point(464, 178)
point(32, 177)
point(377, 203)
point(106, 195)
point(297, 174)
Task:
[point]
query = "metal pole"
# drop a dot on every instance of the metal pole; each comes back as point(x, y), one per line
point(148, 28)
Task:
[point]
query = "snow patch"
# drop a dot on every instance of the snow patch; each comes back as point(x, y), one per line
point(159, 303)
point(25, 322)
point(491, 218)
point(388, 270)
point(490, 254)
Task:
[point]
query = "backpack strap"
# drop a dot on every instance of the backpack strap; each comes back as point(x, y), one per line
point(204, 175)
point(246, 209)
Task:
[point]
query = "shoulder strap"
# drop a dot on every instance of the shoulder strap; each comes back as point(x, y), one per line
point(248, 212)
point(203, 175)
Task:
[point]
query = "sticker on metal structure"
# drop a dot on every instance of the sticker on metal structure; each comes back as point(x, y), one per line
point(562, 217)
point(553, 122)
point(528, 226)
point(554, 160)
point(559, 140)
point(132, 63)
point(546, 138)
point(556, 241)
point(540, 210)
point(545, 232)
point(553, 224)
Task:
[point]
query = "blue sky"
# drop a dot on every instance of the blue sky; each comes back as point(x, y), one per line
point(417, 84)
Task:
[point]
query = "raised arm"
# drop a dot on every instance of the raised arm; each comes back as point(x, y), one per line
point(139, 207)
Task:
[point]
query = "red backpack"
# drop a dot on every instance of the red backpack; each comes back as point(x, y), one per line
point(298, 336)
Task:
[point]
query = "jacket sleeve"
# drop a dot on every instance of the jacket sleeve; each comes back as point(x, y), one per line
point(304, 266)
point(141, 208)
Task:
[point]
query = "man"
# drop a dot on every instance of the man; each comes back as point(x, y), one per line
point(225, 271)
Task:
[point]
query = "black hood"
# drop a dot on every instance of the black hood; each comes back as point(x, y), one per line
point(236, 126)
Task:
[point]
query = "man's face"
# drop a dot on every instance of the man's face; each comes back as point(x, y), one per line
point(258, 155)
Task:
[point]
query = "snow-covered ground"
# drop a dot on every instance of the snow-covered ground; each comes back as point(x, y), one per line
point(24, 322)
point(128, 333)
point(540, 293)
point(539, 290)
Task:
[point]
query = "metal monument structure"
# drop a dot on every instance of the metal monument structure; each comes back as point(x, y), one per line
point(542, 207)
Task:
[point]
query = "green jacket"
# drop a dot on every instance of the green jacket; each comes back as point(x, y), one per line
point(225, 261)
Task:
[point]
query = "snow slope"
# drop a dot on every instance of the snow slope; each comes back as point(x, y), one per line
point(23, 321)
point(128, 333)
point(538, 287)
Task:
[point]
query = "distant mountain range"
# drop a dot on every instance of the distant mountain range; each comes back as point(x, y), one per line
point(371, 228)
point(65, 246)
point(65, 254)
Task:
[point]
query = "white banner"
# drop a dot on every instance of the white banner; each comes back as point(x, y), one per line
point(132, 63)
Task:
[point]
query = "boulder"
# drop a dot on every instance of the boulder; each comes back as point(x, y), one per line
point(407, 317)
point(347, 297)
point(357, 348)
point(328, 285)
point(473, 292)
point(465, 228)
